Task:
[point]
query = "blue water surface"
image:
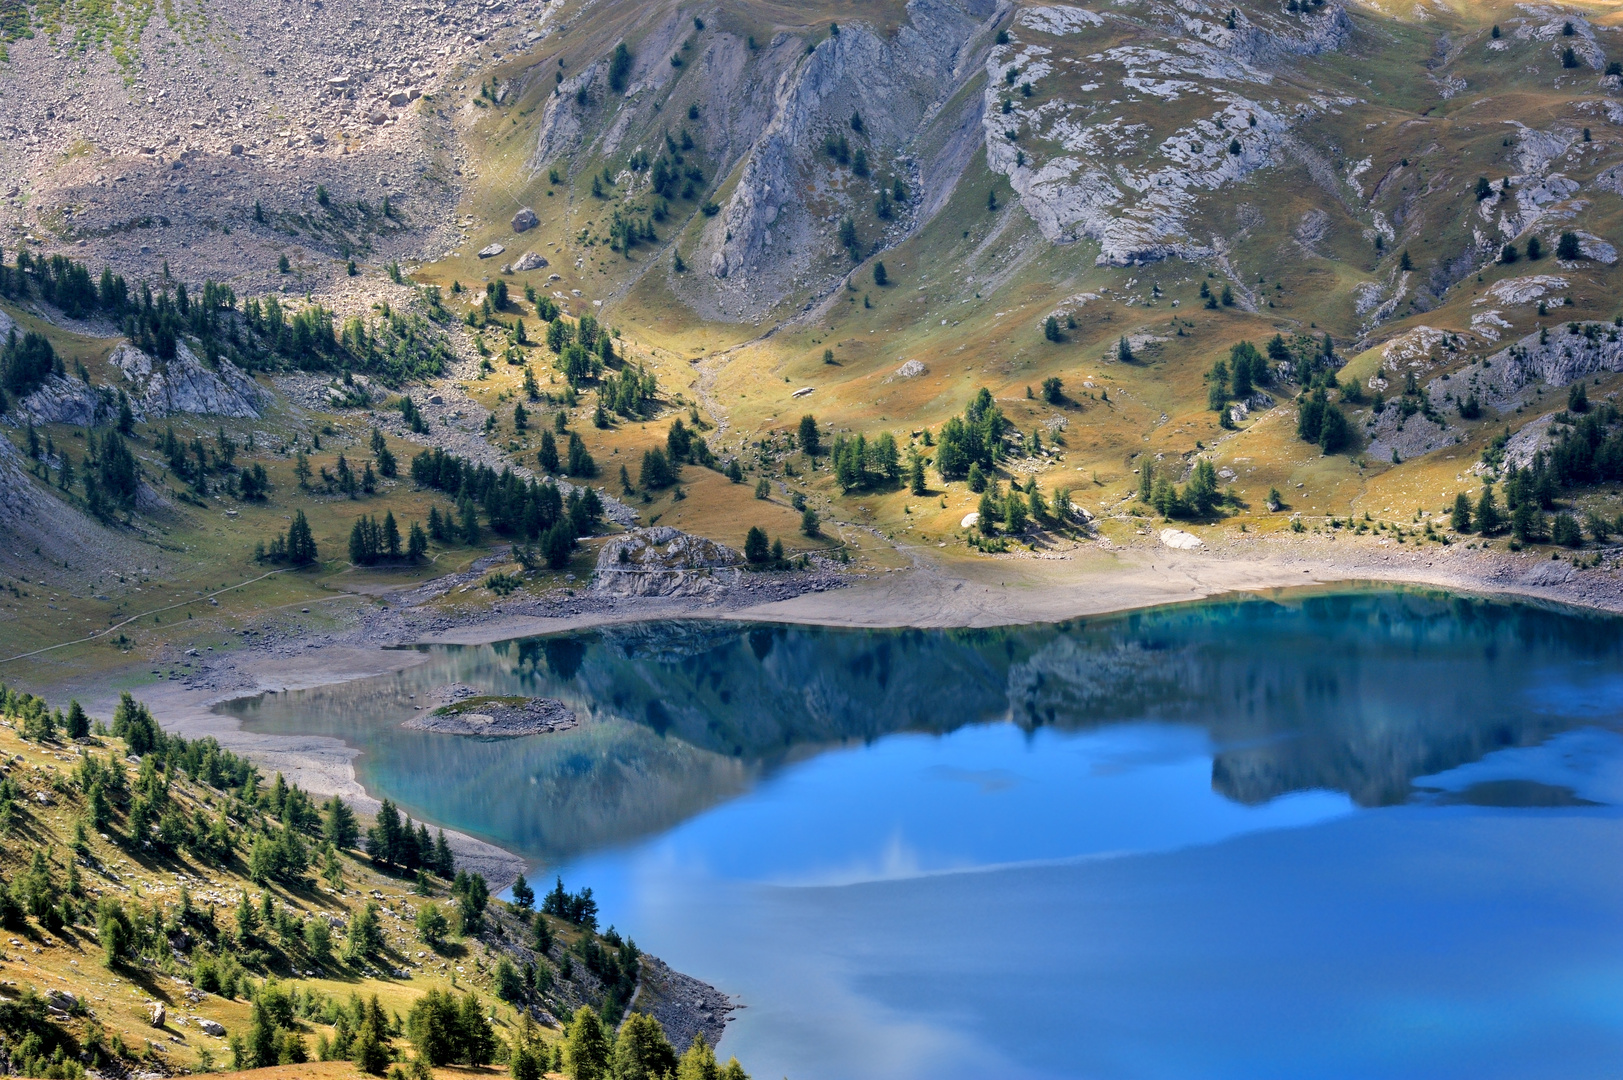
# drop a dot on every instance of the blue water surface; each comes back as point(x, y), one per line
point(1356, 834)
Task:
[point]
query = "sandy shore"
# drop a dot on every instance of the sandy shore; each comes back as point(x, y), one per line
point(1005, 590)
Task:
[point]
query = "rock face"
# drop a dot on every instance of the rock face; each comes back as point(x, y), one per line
point(1133, 187)
point(768, 106)
point(155, 389)
point(184, 385)
point(662, 561)
point(530, 260)
point(525, 220)
point(1502, 382)
point(497, 718)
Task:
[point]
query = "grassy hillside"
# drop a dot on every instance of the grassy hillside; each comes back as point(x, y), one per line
point(174, 912)
point(1363, 223)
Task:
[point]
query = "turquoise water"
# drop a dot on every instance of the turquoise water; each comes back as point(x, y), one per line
point(1334, 834)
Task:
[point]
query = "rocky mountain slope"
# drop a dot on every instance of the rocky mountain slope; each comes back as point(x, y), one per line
point(136, 136)
point(862, 212)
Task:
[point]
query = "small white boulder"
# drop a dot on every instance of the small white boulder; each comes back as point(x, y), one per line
point(1179, 540)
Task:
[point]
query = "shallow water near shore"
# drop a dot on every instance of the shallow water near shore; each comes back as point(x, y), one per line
point(1329, 833)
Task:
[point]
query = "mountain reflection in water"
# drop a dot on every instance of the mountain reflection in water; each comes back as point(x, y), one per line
point(1358, 692)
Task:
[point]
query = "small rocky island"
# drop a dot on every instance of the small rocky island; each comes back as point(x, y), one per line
point(492, 717)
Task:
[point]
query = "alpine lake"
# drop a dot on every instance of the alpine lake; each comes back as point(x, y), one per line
point(1354, 832)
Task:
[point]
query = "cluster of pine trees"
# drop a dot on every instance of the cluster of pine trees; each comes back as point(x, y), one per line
point(1199, 498)
point(640, 1049)
point(976, 438)
point(662, 467)
point(391, 841)
point(111, 475)
point(295, 547)
point(1587, 452)
point(860, 465)
point(395, 346)
point(1237, 377)
point(26, 361)
point(513, 507)
point(371, 543)
point(1023, 505)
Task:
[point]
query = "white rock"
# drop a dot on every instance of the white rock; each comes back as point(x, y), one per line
point(529, 261)
point(971, 519)
point(491, 251)
point(1180, 540)
point(1525, 290)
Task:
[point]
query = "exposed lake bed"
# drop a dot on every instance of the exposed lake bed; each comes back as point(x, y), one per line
point(1274, 836)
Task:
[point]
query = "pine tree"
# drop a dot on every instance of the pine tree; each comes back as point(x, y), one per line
point(642, 1052)
point(391, 536)
point(756, 549)
point(699, 1062)
point(586, 1047)
point(301, 545)
point(444, 864)
point(810, 438)
point(77, 725)
point(1460, 520)
point(338, 826)
point(1488, 520)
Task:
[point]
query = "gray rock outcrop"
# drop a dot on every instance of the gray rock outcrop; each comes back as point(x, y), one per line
point(524, 220)
point(662, 561)
point(184, 385)
point(530, 260)
point(155, 389)
point(1501, 382)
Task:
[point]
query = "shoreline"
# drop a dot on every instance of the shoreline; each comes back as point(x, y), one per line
point(930, 593)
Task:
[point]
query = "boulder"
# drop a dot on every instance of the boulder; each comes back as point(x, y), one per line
point(209, 1027)
point(491, 251)
point(971, 519)
point(530, 261)
point(1179, 540)
point(525, 219)
point(157, 1014)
